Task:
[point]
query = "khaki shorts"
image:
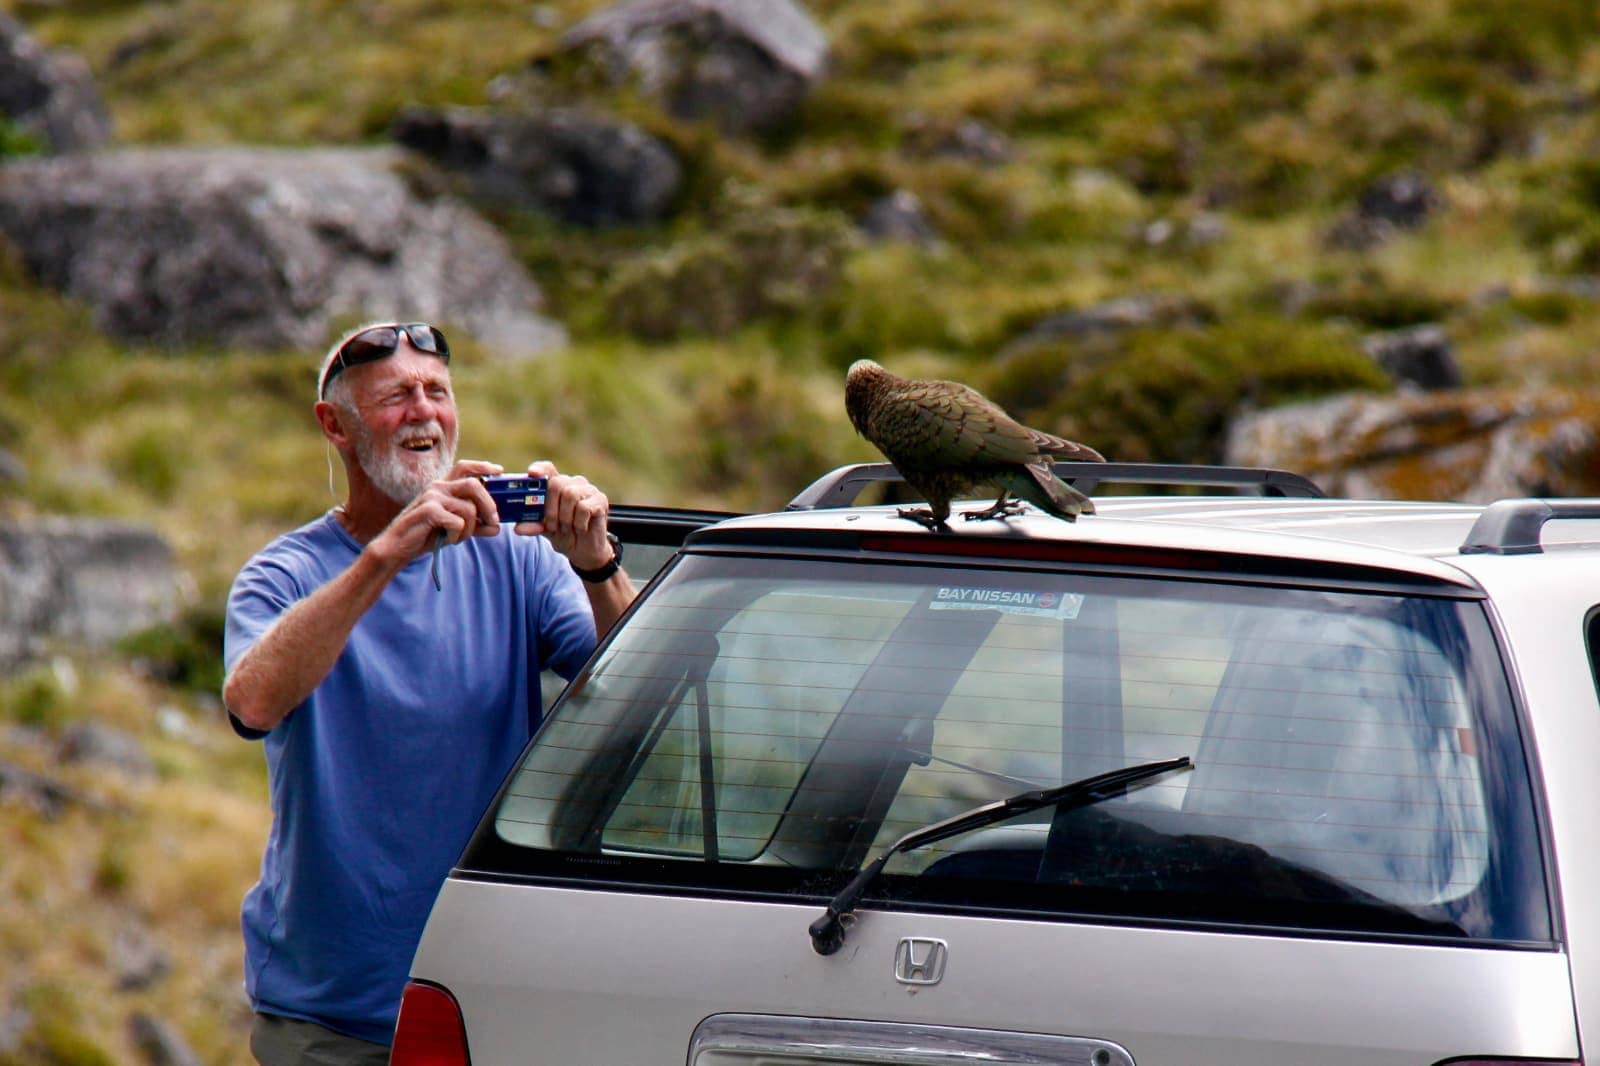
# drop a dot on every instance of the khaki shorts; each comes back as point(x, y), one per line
point(279, 1041)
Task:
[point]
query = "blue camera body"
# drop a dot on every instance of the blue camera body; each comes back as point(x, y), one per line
point(517, 497)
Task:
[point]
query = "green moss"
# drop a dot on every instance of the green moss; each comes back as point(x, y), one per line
point(1155, 155)
point(775, 263)
point(757, 438)
point(35, 698)
point(113, 867)
point(1370, 299)
point(1519, 36)
point(1550, 307)
point(152, 461)
point(58, 1044)
point(1168, 395)
point(881, 307)
point(56, 1036)
point(16, 141)
point(186, 653)
point(1359, 21)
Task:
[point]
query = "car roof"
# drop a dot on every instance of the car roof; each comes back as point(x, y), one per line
point(1433, 530)
point(1425, 539)
point(1282, 529)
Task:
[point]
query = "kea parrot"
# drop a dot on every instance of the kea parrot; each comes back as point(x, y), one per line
point(948, 440)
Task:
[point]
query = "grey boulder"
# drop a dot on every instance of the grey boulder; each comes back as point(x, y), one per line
point(1419, 357)
point(49, 92)
point(263, 247)
point(744, 64)
point(582, 168)
point(81, 582)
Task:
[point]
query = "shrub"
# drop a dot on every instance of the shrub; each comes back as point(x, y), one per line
point(885, 305)
point(1370, 299)
point(1168, 395)
point(56, 1035)
point(151, 460)
point(35, 698)
point(758, 437)
point(777, 262)
point(187, 653)
point(113, 867)
point(1562, 223)
point(16, 141)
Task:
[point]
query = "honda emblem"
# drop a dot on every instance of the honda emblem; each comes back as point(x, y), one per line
point(919, 960)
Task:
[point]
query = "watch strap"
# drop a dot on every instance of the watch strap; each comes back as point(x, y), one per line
point(603, 573)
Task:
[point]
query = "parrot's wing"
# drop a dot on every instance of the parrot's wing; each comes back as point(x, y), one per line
point(948, 423)
point(1061, 448)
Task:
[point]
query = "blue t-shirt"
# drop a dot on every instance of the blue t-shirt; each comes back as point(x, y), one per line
point(379, 777)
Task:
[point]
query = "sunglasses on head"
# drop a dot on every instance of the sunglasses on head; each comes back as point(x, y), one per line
point(380, 342)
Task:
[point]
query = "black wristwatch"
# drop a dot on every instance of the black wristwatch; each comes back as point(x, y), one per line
point(603, 573)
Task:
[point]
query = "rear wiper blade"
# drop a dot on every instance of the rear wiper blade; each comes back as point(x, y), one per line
point(827, 932)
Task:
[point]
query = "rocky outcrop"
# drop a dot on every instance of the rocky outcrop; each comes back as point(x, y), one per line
point(746, 65)
point(579, 167)
point(12, 472)
point(1391, 204)
point(899, 216)
point(1111, 318)
point(43, 793)
point(107, 746)
point(49, 92)
point(1474, 446)
point(81, 582)
point(966, 139)
point(263, 248)
point(161, 1043)
point(1419, 357)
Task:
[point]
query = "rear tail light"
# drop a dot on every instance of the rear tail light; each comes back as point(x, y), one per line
point(431, 1030)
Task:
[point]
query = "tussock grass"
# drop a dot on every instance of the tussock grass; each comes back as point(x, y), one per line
point(161, 860)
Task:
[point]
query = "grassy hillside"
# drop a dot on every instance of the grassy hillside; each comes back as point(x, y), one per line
point(1199, 149)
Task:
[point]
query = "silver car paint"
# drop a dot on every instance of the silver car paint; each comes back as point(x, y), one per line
point(1542, 605)
point(564, 976)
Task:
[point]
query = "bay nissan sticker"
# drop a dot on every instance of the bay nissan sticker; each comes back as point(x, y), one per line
point(1038, 602)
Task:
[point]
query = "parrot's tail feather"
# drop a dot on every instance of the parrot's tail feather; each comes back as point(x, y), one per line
point(1064, 501)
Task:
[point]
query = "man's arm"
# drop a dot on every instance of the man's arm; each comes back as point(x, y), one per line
point(297, 651)
point(575, 518)
point(608, 599)
point(293, 656)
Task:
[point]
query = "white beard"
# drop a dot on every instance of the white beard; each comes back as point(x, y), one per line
point(398, 473)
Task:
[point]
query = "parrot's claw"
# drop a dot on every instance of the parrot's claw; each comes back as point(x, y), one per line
point(923, 516)
point(1001, 508)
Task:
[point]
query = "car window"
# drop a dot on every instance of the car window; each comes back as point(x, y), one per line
point(764, 682)
point(761, 723)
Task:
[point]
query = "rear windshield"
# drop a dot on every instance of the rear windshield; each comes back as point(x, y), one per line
point(765, 726)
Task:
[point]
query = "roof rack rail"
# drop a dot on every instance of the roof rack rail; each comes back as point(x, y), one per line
point(1512, 527)
point(839, 488)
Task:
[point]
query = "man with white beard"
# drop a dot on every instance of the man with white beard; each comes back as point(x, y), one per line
point(391, 705)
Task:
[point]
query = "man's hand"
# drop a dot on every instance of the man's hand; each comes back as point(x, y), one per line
point(458, 505)
point(575, 516)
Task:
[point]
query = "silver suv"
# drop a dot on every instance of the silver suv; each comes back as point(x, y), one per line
point(1240, 777)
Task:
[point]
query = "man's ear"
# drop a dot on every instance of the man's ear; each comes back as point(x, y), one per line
point(332, 420)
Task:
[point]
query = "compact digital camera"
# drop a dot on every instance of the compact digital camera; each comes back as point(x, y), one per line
point(518, 497)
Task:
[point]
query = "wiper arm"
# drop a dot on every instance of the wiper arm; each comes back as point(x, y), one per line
point(827, 932)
